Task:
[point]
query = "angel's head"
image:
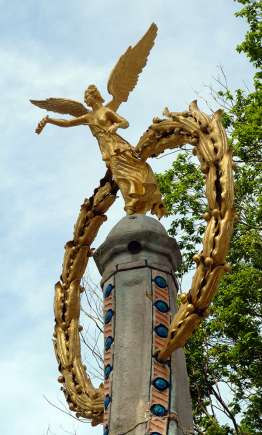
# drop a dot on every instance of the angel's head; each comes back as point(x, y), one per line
point(92, 95)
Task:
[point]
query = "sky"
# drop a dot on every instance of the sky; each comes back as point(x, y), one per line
point(57, 49)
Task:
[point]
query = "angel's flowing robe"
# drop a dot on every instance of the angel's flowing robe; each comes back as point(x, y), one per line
point(134, 177)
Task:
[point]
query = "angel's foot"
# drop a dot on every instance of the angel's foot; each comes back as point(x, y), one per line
point(159, 210)
point(130, 211)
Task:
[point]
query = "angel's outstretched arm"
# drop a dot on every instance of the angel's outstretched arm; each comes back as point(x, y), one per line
point(81, 120)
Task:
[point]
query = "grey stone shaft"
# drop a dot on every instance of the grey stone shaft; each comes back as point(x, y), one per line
point(134, 248)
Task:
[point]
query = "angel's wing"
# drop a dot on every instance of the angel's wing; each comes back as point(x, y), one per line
point(62, 105)
point(125, 74)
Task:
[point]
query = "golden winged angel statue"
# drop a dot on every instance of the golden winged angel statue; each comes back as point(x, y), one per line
point(133, 176)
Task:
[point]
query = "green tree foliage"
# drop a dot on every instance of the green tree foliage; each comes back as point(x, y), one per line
point(224, 356)
point(251, 45)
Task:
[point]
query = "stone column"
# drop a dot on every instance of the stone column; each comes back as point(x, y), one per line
point(137, 262)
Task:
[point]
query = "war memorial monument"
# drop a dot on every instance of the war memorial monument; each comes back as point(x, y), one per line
point(145, 389)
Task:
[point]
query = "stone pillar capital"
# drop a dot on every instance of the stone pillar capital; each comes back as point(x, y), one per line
point(135, 238)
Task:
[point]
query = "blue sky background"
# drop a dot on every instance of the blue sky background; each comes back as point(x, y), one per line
point(57, 49)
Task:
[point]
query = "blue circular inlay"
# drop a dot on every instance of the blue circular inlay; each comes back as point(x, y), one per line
point(108, 316)
point(107, 401)
point(155, 433)
point(158, 410)
point(108, 290)
point(160, 281)
point(161, 306)
point(160, 384)
point(161, 330)
point(106, 430)
point(108, 369)
point(108, 342)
